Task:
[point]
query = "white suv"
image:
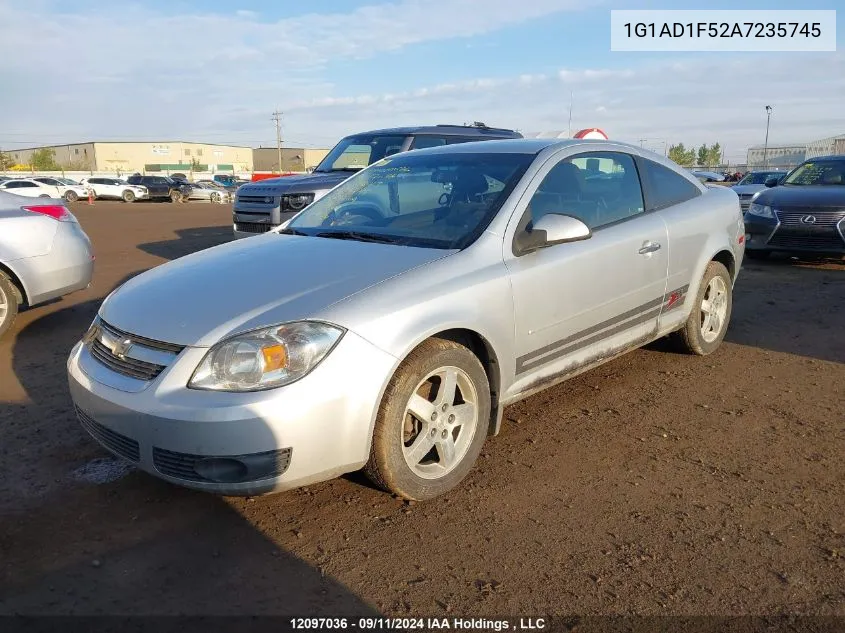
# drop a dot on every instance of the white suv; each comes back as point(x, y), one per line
point(115, 188)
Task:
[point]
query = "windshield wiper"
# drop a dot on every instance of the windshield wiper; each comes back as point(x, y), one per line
point(289, 231)
point(346, 169)
point(361, 236)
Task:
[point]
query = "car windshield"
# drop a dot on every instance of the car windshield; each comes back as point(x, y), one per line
point(822, 172)
point(759, 177)
point(435, 200)
point(353, 153)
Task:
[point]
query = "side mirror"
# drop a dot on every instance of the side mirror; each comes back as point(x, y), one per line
point(772, 182)
point(553, 228)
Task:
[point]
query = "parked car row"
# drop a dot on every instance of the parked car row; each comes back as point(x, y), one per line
point(134, 188)
point(44, 187)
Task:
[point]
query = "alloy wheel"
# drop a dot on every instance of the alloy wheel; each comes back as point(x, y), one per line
point(714, 309)
point(441, 419)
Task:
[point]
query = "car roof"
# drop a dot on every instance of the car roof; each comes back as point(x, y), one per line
point(444, 130)
point(522, 146)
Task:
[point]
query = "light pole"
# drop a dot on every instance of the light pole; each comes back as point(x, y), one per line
point(766, 146)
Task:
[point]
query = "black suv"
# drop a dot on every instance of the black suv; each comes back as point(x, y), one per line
point(158, 187)
point(262, 205)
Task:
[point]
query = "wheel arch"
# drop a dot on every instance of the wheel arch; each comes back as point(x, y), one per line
point(17, 284)
point(481, 347)
point(727, 259)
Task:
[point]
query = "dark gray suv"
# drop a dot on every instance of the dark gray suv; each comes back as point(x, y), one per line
point(263, 205)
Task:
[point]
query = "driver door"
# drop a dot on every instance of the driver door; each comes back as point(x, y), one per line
point(577, 303)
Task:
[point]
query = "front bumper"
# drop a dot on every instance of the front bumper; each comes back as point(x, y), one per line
point(236, 443)
point(770, 235)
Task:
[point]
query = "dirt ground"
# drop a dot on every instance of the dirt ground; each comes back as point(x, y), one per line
point(656, 484)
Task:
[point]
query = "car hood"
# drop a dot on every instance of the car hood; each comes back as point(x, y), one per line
point(295, 184)
point(746, 189)
point(813, 196)
point(246, 284)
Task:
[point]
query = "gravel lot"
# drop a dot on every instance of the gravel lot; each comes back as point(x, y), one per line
point(656, 484)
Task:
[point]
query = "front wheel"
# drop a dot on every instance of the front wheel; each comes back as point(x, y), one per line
point(711, 312)
point(216, 198)
point(432, 422)
point(175, 196)
point(71, 196)
point(128, 196)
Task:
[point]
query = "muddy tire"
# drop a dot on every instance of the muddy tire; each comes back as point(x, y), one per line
point(128, 196)
point(71, 196)
point(711, 313)
point(8, 304)
point(175, 196)
point(432, 422)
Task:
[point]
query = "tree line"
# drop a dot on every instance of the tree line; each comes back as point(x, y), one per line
point(704, 156)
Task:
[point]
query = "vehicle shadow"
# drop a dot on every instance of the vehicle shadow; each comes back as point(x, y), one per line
point(128, 544)
point(771, 297)
point(189, 241)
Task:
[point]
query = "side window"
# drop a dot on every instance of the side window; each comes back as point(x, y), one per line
point(664, 187)
point(421, 142)
point(454, 140)
point(12, 185)
point(22, 185)
point(599, 188)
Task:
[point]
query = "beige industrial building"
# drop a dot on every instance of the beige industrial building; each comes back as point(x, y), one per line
point(145, 157)
point(266, 159)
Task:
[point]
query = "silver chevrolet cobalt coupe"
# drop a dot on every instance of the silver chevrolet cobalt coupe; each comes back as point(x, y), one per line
point(388, 324)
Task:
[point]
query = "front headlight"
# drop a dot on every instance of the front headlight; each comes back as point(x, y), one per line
point(266, 358)
point(761, 211)
point(297, 202)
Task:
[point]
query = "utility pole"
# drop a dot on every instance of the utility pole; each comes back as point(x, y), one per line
point(642, 140)
point(277, 117)
point(570, 114)
point(766, 146)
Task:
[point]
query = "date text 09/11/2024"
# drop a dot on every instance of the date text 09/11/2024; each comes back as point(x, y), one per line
point(423, 624)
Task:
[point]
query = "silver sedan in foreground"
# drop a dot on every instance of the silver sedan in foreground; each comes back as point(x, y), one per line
point(406, 308)
point(44, 254)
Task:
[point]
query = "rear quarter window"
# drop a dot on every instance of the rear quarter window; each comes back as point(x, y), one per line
point(663, 187)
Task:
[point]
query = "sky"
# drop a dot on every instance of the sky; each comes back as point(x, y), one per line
point(214, 71)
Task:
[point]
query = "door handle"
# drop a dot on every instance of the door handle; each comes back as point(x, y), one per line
point(649, 247)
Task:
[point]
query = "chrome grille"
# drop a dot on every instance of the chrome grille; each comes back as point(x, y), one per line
point(120, 444)
point(182, 465)
point(824, 217)
point(130, 364)
point(252, 227)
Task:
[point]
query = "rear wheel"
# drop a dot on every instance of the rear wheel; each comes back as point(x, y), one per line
point(8, 304)
point(432, 422)
point(216, 198)
point(71, 196)
point(128, 196)
point(708, 322)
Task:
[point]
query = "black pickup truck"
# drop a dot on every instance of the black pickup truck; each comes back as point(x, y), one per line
point(159, 187)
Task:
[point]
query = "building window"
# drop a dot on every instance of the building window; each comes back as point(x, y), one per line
point(199, 152)
point(187, 152)
point(76, 150)
point(85, 151)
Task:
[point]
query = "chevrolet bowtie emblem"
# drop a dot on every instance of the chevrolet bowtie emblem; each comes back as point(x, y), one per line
point(121, 348)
